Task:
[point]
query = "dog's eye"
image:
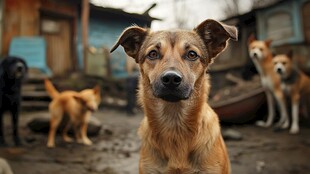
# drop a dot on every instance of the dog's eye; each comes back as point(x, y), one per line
point(192, 55)
point(153, 55)
point(284, 63)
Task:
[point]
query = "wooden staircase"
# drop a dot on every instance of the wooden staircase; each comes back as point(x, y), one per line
point(34, 96)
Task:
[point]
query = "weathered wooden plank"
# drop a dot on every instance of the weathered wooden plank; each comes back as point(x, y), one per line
point(35, 94)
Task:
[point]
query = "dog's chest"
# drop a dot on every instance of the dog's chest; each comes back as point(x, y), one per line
point(258, 67)
point(267, 82)
point(172, 155)
point(176, 156)
point(286, 88)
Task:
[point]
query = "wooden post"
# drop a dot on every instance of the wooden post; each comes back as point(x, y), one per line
point(85, 17)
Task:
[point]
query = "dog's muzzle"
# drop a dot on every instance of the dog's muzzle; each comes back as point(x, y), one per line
point(19, 70)
point(279, 70)
point(255, 54)
point(91, 108)
point(171, 87)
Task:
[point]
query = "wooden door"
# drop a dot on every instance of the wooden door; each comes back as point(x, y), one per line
point(58, 36)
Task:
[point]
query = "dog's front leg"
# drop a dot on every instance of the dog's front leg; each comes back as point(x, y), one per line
point(2, 140)
point(77, 132)
point(283, 122)
point(271, 111)
point(85, 139)
point(295, 114)
point(65, 136)
point(15, 115)
point(83, 130)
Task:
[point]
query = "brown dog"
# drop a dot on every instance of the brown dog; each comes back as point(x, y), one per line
point(77, 105)
point(261, 56)
point(294, 83)
point(180, 132)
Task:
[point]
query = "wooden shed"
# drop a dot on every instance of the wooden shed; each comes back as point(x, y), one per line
point(54, 20)
point(105, 26)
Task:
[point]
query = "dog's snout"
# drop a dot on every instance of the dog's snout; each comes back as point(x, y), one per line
point(19, 68)
point(279, 70)
point(171, 79)
point(255, 54)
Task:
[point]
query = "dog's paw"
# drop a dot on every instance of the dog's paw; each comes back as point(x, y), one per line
point(294, 130)
point(282, 125)
point(50, 145)
point(80, 141)
point(285, 125)
point(68, 139)
point(87, 142)
point(261, 124)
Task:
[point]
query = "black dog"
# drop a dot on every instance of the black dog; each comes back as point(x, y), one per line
point(12, 72)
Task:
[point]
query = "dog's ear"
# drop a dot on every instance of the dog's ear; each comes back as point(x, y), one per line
point(131, 39)
point(268, 42)
point(251, 38)
point(215, 35)
point(78, 98)
point(289, 54)
point(97, 90)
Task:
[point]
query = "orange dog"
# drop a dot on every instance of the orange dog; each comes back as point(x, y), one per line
point(262, 58)
point(180, 132)
point(77, 105)
point(294, 83)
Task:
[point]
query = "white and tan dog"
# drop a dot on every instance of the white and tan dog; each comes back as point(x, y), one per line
point(294, 84)
point(261, 56)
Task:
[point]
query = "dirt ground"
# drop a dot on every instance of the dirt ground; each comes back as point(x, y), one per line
point(116, 149)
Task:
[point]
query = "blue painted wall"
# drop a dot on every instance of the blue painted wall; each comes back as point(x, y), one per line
point(104, 31)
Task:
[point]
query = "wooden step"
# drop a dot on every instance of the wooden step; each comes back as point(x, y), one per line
point(34, 105)
point(35, 94)
point(33, 87)
point(35, 78)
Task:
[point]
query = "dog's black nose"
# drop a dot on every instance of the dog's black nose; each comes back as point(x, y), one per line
point(171, 79)
point(279, 70)
point(255, 54)
point(19, 68)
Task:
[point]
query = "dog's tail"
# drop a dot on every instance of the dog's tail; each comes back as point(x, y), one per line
point(50, 89)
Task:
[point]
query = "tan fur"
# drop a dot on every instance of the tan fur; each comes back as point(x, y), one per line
point(180, 137)
point(77, 105)
point(270, 80)
point(294, 83)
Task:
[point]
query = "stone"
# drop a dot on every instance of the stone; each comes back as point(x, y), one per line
point(231, 134)
point(41, 125)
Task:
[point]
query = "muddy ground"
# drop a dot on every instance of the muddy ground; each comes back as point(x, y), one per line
point(116, 149)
